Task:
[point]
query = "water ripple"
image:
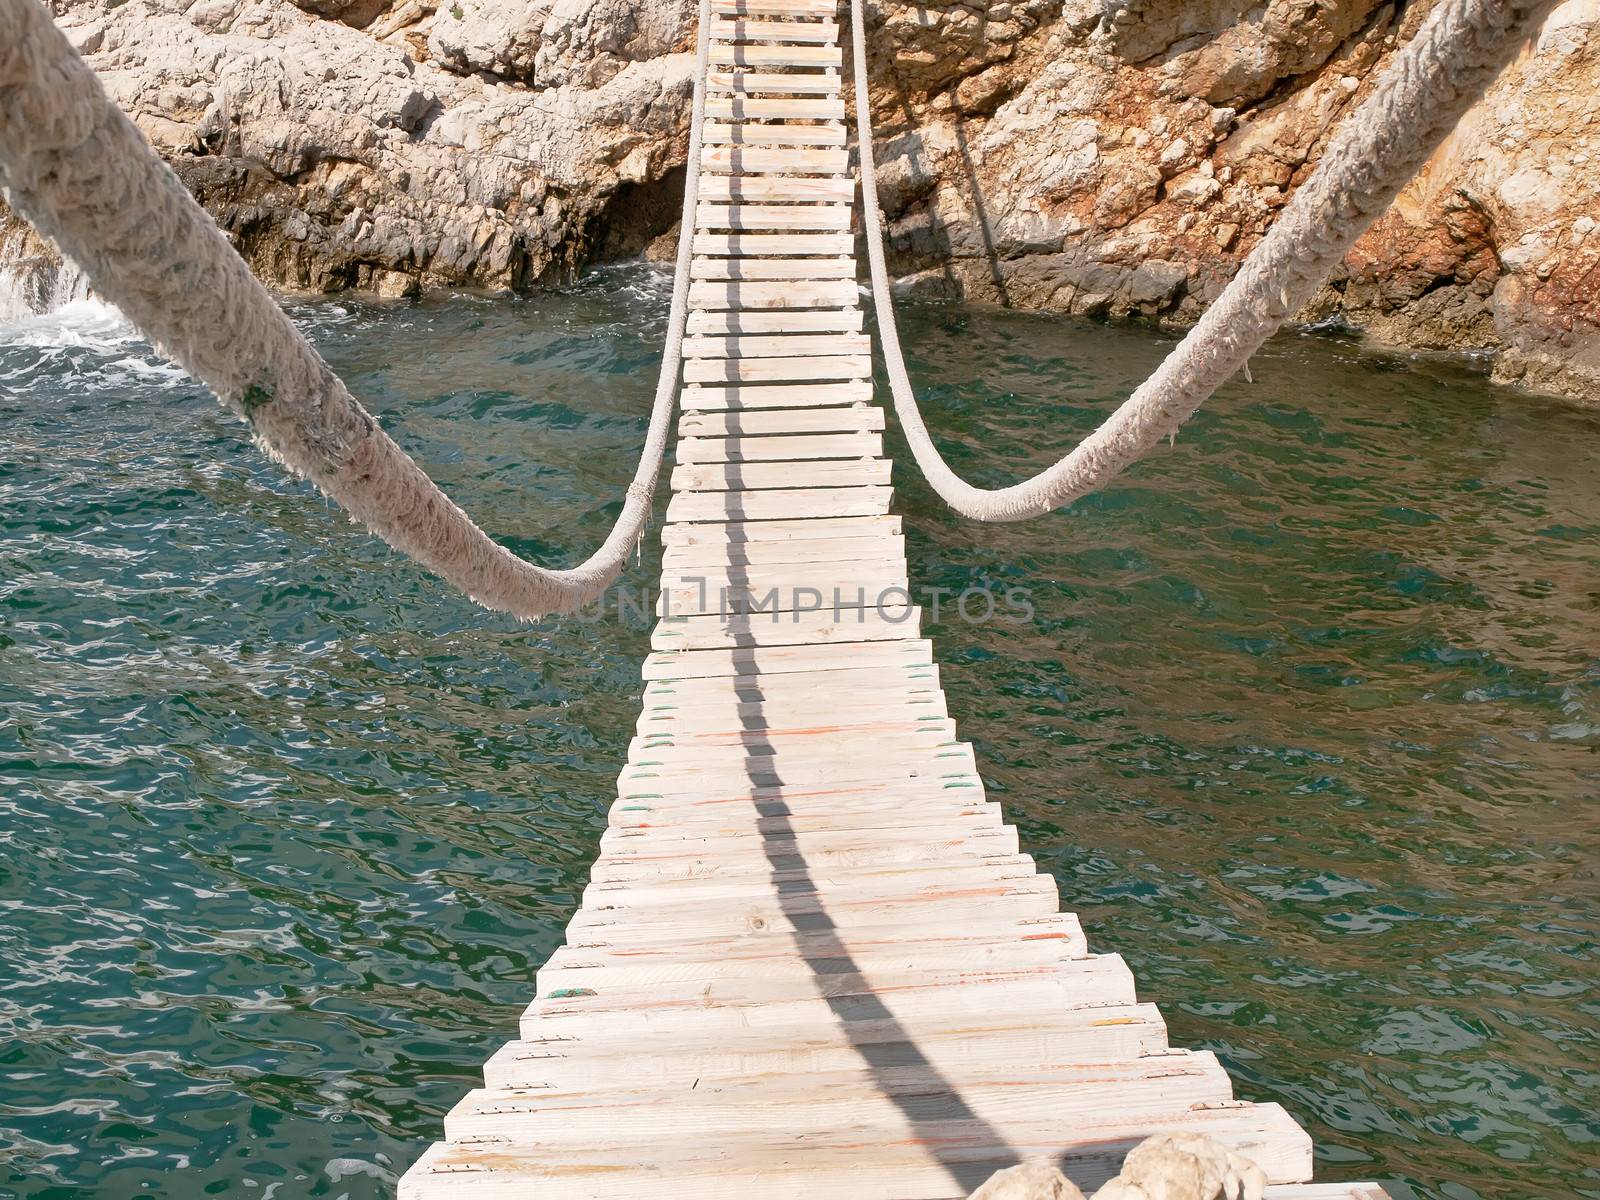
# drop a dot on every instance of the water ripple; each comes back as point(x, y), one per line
point(1305, 725)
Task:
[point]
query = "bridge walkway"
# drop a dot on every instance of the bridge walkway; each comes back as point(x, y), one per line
point(812, 958)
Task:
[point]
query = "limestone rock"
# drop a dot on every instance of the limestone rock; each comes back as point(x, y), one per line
point(548, 43)
point(1235, 52)
point(1184, 1166)
point(1040, 1180)
point(341, 157)
point(1099, 158)
point(1492, 245)
point(1078, 155)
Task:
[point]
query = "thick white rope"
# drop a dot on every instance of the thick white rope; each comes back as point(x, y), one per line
point(1421, 96)
point(78, 169)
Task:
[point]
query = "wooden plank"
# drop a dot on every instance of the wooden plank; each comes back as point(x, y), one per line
point(741, 556)
point(742, 534)
point(771, 660)
point(776, 189)
point(666, 789)
point(707, 749)
point(735, 707)
point(645, 927)
point(796, 83)
point(774, 370)
point(834, 593)
point(775, 969)
point(827, 293)
point(751, 476)
point(776, 449)
point(737, 570)
point(766, 108)
point(777, 882)
point(776, 345)
point(683, 814)
point(815, 849)
point(786, 845)
point(996, 947)
point(724, 703)
point(773, 216)
point(724, 714)
point(660, 860)
point(772, 268)
point(779, 773)
point(1054, 935)
point(767, 244)
point(777, 395)
point(743, 754)
point(770, 778)
point(742, 559)
point(741, 906)
point(1079, 1092)
point(932, 1161)
point(799, 687)
point(888, 622)
point(775, 8)
point(783, 782)
point(819, 369)
point(909, 776)
point(815, 885)
point(1113, 1034)
point(817, 944)
point(558, 1085)
point(774, 422)
point(679, 980)
point(780, 503)
point(845, 576)
point(847, 320)
point(832, 590)
point(744, 30)
point(751, 397)
point(712, 1112)
point(730, 712)
point(799, 691)
point(754, 133)
point(676, 984)
point(897, 1079)
point(758, 55)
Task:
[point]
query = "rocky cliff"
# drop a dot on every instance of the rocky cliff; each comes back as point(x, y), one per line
point(1121, 159)
point(1100, 157)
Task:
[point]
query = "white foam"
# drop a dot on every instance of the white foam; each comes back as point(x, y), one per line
point(91, 324)
point(33, 279)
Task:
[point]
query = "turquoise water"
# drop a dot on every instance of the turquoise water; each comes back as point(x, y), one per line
point(1307, 726)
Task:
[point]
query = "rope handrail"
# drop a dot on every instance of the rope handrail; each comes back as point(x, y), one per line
point(1420, 97)
point(76, 167)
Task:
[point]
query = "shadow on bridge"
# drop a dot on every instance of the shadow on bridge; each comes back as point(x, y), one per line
point(902, 1073)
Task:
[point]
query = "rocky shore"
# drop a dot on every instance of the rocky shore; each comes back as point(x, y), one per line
point(1108, 159)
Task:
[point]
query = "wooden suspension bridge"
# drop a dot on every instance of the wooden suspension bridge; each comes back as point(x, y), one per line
point(811, 958)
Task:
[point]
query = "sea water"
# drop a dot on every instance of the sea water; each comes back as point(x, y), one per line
point(1305, 722)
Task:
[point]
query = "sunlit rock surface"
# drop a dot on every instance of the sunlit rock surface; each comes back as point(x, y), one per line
point(1105, 159)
